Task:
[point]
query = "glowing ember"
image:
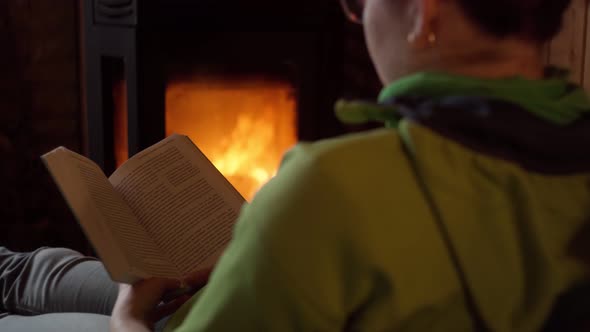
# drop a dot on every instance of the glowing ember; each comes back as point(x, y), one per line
point(244, 127)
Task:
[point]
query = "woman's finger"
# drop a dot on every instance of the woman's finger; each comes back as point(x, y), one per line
point(198, 278)
point(169, 308)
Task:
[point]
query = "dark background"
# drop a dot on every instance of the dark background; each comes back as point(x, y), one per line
point(41, 108)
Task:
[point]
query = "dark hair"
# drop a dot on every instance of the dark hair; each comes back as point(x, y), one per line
point(537, 20)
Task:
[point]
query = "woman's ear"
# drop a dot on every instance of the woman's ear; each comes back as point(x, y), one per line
point(423, 16)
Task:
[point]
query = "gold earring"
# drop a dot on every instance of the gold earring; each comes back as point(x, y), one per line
point(432, 37)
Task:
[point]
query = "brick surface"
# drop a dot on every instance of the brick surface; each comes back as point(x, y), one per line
point(55, 101)
point(39, 110)
point(13, 107)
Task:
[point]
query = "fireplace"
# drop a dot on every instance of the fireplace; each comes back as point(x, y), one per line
point(245, 80)
point(243, 124)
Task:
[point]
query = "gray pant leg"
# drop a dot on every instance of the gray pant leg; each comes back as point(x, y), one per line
point(54, 280)
point(60, 322)
point(55, 290)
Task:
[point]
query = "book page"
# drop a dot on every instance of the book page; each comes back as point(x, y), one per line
point(181, 199)
point(126, 249)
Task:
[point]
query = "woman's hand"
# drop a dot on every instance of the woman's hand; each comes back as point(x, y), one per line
point(141, 305)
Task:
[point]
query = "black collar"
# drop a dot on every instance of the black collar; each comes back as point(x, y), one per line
point(505, 130)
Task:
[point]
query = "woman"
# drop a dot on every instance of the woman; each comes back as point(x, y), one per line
point(459, 216)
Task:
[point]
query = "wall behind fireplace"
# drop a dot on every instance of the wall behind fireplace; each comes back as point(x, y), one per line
point(39, 110)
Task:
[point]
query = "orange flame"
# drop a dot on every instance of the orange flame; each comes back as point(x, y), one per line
point(243, 126)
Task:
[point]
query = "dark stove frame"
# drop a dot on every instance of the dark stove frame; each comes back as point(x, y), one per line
point(145, 38)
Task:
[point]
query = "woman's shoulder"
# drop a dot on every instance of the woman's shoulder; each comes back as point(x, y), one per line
point(354, 149)
point(344, 178)
point(354, 165)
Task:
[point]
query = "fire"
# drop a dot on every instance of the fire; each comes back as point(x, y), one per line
point(243, 126)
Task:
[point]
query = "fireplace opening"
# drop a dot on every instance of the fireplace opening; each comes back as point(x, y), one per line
point(243, 124)
point(245, 81)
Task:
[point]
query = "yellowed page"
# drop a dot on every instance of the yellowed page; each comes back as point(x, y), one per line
point(181, 199)
point(125, 247)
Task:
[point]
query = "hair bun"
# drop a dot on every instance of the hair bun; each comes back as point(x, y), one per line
point(546, 19)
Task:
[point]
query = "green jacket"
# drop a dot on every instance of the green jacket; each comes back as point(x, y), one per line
point(374, 231)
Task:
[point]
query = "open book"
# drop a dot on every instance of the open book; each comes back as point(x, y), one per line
point(167, 212)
